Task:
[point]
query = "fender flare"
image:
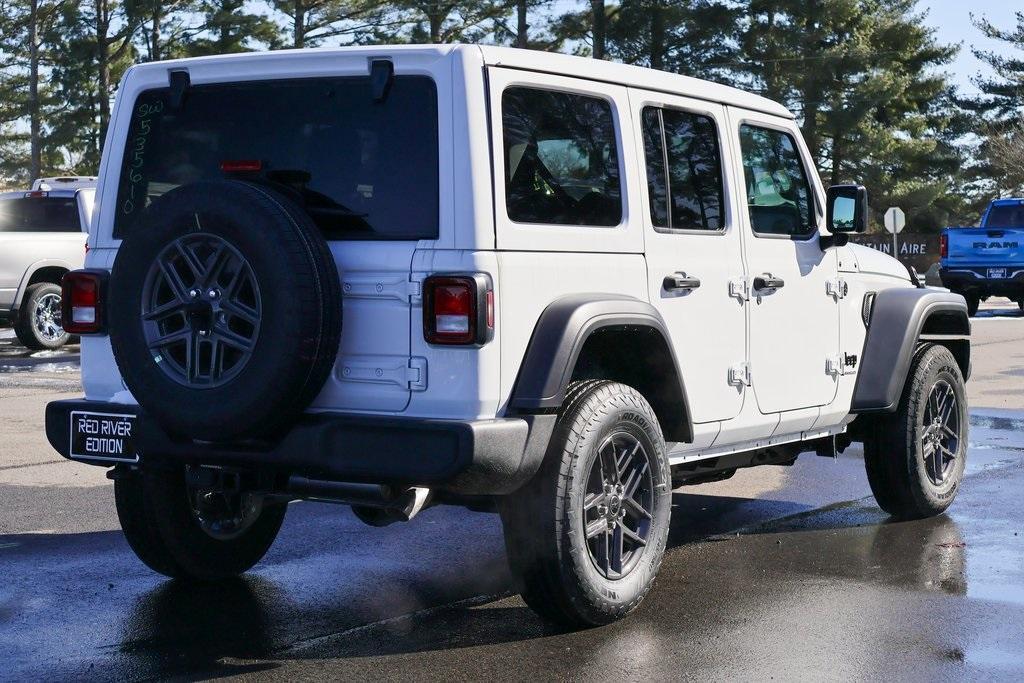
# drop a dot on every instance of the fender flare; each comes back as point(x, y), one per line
point(30, 271)
point(897, 324)
point(559, 336)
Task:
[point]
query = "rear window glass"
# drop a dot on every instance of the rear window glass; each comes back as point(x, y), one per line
point(1005, 216)
point(561, 160)
point(39, 214)
point(363, 170)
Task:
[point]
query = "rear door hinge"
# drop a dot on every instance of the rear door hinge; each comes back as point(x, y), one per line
point(417, 374)
point(740, 289)
point(415, 289)
point(739, 374)
point(843, 364)
point(837, 287)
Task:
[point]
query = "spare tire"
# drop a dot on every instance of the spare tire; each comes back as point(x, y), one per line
point(225, 311)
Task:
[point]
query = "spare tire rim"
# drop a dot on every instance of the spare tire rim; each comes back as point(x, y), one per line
point(201, 311)
point(940, 438)
point(618, 505)
point(46, 318)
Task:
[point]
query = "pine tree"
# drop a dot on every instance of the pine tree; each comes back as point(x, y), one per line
point(1002, 94)
point(862, 76)
point(227, 28)
point(692, 37)
point(447, 21)
point(313, 21)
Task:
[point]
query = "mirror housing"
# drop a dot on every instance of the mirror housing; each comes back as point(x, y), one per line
point(847, 209)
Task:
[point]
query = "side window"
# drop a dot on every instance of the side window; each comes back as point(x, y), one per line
point(561, 158)
point(684, 170)
point(778, 193)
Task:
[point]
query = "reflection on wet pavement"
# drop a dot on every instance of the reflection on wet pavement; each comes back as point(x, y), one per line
point(757, 582)
point(16, 358)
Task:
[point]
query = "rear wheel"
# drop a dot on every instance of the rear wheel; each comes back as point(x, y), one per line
point(182, 527)
point(39, 322)
point(915, 458)
point(586, 537)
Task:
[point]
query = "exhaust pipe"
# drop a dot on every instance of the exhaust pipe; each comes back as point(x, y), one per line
point(374, 504)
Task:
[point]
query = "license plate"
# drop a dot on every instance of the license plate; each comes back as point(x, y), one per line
point(103, 436)
point(997, 273)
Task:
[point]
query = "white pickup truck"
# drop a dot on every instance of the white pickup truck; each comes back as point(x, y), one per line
point(42, 237)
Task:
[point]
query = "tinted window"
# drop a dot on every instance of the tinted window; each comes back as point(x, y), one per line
point(1005, 216)
point(39, 214)
point(688, 143)
point(561, 160)
point(778, 194)
point(364, 170)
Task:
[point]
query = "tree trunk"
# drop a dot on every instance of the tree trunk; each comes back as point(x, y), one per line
point(837, 160)
point(522, 27)
point(657, 36)
point(436, 19)
point(597, 10)
point(154, 33)
point(103, 63)
point(35, 124)
point(300, 24)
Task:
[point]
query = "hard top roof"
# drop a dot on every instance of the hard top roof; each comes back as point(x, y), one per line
point(533, 60)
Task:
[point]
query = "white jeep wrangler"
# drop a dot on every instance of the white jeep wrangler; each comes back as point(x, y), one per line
point(551, 286)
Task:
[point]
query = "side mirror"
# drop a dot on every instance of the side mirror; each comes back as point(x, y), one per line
point(847, 209)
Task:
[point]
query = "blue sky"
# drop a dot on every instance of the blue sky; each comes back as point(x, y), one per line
point(952, 21)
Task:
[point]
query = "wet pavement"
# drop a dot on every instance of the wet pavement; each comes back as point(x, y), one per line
point(751, 586)
point(59, 368)
point(779, 572)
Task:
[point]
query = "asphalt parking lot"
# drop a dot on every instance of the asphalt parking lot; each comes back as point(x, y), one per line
point(778, 572)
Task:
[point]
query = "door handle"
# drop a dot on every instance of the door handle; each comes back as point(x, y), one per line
point(680, 281)
point(768, 281)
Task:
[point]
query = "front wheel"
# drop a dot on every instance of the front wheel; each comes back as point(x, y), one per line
point(915, 458)
point(586, 537)
point(973, 302)
point(183, 527)
point(39, 321)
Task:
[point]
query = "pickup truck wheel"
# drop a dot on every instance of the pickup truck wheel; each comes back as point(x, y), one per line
point(38, 324)
point(915, 458)
point(587, 535)
point(183, 533)
point(973, 302)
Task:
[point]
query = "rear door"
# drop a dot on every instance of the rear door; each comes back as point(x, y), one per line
point(693, 248)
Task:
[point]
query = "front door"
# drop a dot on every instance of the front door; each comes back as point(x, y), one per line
point(794, 311)
point(692, 240)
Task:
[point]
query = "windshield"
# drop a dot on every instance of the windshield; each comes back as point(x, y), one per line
point(39, 214)
point(362, 169)
point(1005, 216)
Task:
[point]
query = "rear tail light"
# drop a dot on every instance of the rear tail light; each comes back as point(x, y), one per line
point(82, 301)
point(943, 246)
point(458, 309)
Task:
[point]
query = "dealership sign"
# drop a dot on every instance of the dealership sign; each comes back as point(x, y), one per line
point(918, 250)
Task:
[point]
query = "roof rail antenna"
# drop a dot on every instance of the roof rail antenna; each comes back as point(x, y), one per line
point(382, 77)
point(179, 82)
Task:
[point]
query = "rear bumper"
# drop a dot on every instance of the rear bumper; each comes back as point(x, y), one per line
point(975, 280)
point(467, 457)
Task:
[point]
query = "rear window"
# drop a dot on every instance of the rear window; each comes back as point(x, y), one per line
point(561, 161)
point(1005, 216)
point(364, 170)
point(39, 214)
